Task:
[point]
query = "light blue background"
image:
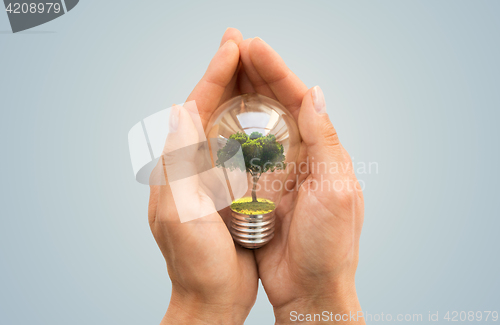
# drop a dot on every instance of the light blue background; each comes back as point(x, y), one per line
point(411, 85)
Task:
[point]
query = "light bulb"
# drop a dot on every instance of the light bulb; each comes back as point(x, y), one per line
point(269, 138)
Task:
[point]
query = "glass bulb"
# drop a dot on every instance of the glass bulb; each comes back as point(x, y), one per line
point(269, 138)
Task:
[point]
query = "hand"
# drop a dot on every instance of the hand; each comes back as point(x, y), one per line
point(213, 280)
point(310, 264)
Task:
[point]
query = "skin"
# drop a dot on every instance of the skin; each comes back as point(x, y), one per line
point(310, 264)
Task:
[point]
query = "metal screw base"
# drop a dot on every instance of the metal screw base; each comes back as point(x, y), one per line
point(252, 231)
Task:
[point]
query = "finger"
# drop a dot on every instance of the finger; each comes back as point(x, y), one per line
point(181, 168)
point(230, 91)
point(210, 89)
point(154, 192)
point(258, 83)
point(285, 85)
point(244, 84)
point(318, 133)
point(180, 201)
point(231, 34)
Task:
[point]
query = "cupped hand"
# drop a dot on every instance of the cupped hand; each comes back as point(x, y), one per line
point(310, 265)
point(214, 281)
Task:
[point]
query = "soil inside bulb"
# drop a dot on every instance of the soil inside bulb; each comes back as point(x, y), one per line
point(246, 206)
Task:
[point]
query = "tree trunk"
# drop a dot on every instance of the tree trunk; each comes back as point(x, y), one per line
point(254, 189)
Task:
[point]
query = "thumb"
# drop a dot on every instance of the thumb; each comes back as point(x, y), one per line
point(182, 131)
point(181, 169)
point(318, 133)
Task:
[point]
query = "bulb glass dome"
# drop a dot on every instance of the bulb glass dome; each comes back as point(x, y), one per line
point(269, 138)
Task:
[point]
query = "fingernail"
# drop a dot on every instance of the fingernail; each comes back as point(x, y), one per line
point(174, 119)
point(318, 100)
point(257, 37)
point(230, 40)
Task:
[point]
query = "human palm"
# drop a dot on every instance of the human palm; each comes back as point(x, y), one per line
point(315, 249)
point(211, 276)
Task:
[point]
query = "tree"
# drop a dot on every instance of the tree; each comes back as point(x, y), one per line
point(261, 154)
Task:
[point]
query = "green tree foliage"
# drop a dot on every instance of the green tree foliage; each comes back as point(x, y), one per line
point(261, 154)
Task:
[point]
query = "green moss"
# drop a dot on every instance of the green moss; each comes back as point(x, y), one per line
point(246, 206)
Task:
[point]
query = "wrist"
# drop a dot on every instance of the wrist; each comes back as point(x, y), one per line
point(192, 310)
point(341, 307)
